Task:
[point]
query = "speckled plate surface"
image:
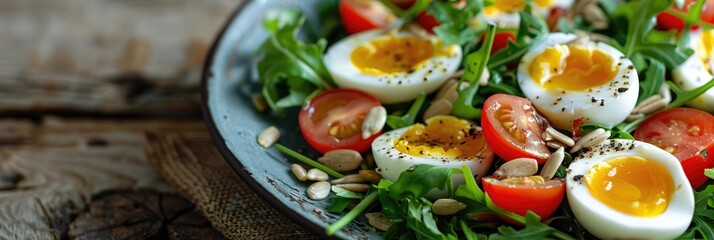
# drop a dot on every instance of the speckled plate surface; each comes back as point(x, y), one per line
point(228, 82)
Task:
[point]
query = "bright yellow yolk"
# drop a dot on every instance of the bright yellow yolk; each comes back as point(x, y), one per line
point(632, 185)
point(445, 136)
point(704, 49)
point(508, 6)
point(389, 55)
point(575, 68)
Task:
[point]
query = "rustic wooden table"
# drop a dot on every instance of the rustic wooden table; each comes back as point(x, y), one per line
point(80, 84)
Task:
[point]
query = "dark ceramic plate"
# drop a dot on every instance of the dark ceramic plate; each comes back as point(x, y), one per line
point(228, 82)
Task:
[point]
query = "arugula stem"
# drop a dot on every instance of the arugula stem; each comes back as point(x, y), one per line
point(352, 214)
point(308, 161)
point(562, 235)
point(689, 95)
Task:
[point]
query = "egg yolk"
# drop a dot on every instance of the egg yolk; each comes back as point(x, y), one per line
point(442, 136)
point(508, 6)
point(575, 68)
point(632, 185)
point(387, 55)
point(704, 50)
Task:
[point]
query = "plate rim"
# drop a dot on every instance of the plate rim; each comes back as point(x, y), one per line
point(219, 140)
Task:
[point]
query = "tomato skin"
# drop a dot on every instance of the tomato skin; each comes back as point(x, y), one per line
point(540, 198)
point(359, 15)
point(526, 119)
point(673, 128)
point(336, 107)
point(500, 40)
point(667, 21)
point(427, 21)
point(555, 14)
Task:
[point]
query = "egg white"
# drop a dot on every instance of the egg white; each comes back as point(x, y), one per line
point(391, 88)
point(392, 162)
point(607, 223)
point(692, 74)
point(603, 104)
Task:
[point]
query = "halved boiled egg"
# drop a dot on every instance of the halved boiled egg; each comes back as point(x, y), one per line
point(567, 79)
point(626, 189)
point(394, 67)
point(698, 69)
point(505, 12)
point(444, 141)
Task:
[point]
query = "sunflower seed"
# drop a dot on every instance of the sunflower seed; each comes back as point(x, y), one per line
point(447, 88)
point(519, 167)
point(598, 140)
point(665, 92)
point(355, 187)
point(653, 107)
point(374, 122)
point(554, 144)
point(458, 74)
point(316, 175)
point(259, 102)
point(447, 206)
point(318, 190)
point(438, 107)
point(588, 138)
point(594, 15)
point(645, 102)
point(352, 178)
point(634, 116)
point(484, 77)
point(268, 136)
point(341, 159)
point(299, 171)
point(560, 136)
point(551, 165)
point(378, 221)
point(371, 175)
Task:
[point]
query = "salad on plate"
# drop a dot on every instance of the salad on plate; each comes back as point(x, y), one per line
point(500, 119)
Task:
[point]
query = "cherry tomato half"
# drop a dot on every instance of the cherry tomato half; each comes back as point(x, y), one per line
point(363, 15)
point(541, 198)
point(500, 40)
point(427, 21)
point(688, 134)
point(667, 21)
point(513, 128)
point(333, 120)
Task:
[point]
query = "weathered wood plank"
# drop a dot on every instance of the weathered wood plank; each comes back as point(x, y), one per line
point(51, 171)
point(106, 56)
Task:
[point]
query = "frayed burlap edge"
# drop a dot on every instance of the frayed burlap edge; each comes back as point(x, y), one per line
point(191, 162)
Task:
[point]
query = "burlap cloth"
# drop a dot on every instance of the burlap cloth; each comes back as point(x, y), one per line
point(191, 162)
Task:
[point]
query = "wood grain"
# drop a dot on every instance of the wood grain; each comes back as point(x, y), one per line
point(51, 171)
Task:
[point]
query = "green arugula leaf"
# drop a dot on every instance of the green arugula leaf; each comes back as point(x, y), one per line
point(703, 215)
point(641, 16)
point(531, 31)
point(342, 198)
point(709, 172)
point(533, 229)
point(468, 233)
point(475, 65)
point(409, 118)
point(653, 80)
point(615, 133)
point(421, 219)
point(415, 183)
point(455, 27)
point(290, 70)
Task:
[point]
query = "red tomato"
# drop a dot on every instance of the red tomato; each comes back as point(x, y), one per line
point(362, 15)
point(555, 14)
point(688, 134)
point(667, 21)
point(513, 128)
point(427, 21)
point(540, 198)
point(333, 120)
point(500, 40)
point(403, 3)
